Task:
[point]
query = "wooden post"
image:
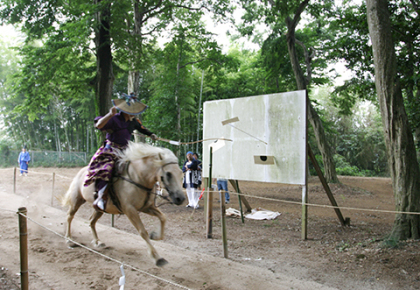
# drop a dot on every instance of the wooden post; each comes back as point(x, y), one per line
point(209, 221)
point(14, 181)
point(304, 212)
point(327, 188)
point(223, 212)
point(52, 190)
point(112, 220)
point(23, 241)
point(205, 181)
point(235, 185)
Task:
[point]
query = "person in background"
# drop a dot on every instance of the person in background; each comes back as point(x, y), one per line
point(190, 182)
point(195, 156)
point(119, 128)
point(223, 185)
point(23, 160)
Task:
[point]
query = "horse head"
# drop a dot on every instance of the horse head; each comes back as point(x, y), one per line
point(171, 176)
point(156, 164)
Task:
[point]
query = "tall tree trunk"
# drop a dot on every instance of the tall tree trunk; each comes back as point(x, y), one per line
point(133, 82)
point(402, 159)
point(302, 82)
point(105, 75)
point(134, 74)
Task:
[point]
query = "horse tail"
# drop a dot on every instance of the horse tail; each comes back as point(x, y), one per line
point(72, 191)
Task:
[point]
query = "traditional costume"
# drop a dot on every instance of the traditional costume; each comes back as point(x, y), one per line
point(191, 180)
point(119, 132)
point(23, 161)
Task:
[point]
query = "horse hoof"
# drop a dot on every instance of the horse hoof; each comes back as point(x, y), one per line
point(70, 244)
point(154, 236)
point(98, 244)
point(161, 262)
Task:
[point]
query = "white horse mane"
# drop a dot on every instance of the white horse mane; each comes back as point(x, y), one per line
point(136, 151)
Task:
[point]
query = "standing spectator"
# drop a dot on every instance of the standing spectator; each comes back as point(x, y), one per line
point(223, 185)
point(199, 168)
point(190, 182)
point(23, 161)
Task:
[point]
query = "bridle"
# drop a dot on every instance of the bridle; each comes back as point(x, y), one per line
point(147, 189)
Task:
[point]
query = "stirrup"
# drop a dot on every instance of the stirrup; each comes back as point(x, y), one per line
point(101, 198)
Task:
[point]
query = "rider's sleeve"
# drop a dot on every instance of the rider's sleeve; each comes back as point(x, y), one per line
point(139, 127)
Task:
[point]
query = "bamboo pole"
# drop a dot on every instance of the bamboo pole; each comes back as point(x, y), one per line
point(235, 185)
point(224, 235)
point(23, 241)
point(52, 189)
point(14, 180)
point(209, 221)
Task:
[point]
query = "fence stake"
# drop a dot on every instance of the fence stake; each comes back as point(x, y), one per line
point(23, 240)
point(209, 218)
point(52, 191)
point(223, 213)
point(14, 181)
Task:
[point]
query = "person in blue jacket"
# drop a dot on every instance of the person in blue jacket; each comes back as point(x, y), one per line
point(23, 161)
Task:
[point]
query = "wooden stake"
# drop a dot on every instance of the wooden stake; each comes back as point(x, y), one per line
point(235, 185)
point(23, 241)
point(209, 221)
point(14, 180)
point(223, 212)
point(52, 190)
point(327, 188)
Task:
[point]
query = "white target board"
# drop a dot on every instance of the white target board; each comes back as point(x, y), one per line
point(266, 138)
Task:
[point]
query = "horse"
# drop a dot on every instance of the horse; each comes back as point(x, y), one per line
point(140, 166)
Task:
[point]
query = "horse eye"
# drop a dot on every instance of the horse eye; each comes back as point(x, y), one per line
point(168, 176)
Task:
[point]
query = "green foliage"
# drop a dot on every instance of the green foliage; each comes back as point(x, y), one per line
point(352, 44)
point(357, 137)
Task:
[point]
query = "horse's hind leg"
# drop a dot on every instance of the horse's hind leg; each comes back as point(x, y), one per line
point(70, 215)
point(160, 235)
point(134, 218)
point(93, 219)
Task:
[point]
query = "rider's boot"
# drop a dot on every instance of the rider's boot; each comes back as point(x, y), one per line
point(100, 202)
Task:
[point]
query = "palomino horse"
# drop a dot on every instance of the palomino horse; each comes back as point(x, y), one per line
point(140, 166)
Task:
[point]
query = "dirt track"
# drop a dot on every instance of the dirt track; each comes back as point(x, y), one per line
point(262, 254)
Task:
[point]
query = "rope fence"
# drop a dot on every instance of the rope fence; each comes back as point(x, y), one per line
point(122, 264)
point(323, 205)
point(276, 200)
point(98, 253)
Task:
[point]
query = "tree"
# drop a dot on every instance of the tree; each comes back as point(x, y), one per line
point(176, 86)
point(352, 46)
point(289, 13)
point(401, 151)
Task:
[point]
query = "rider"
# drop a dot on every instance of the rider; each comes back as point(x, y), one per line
point(119, 128)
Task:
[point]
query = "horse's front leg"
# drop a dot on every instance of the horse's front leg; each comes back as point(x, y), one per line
point(134, 217)
point(160, 235)
point(93, 219)
point(70, 215)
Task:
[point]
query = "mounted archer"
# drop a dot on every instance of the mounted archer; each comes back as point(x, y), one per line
point(119, 128)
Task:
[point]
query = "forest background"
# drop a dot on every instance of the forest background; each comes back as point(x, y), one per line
point(48, 80)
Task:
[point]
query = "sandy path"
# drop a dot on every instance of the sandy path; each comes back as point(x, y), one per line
point(55, 266)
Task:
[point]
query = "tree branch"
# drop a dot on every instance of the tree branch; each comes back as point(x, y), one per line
point(293, 23)
point(308, 59)
point(201, 60)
